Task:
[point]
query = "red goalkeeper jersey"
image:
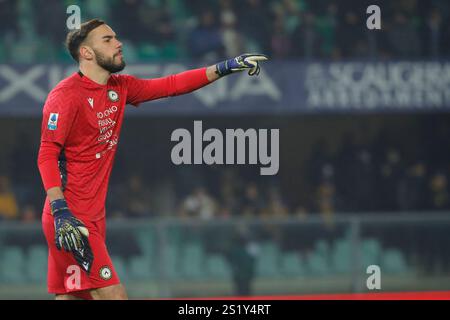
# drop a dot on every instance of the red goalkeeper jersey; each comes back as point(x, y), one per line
point(85, 118)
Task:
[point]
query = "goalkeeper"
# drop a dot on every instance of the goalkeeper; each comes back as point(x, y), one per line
point(82, 119)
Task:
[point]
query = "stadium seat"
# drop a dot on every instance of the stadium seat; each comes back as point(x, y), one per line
point(268, 261)
point(98, 8)
point(170, 51)
point(179, 10)
point(370, 253)
point(3, 49)
point(322, 248)
point(393, 261)
point(292, 264)
point(145, 240)
point(172, 259)
point(120, 267)
point(130, 52)
point(148, 52)
point(193, 260)
point(217, 266)
point(141, 268)
point(36, 265)
point(317, 264)
point(13, 265)
point(341, 256)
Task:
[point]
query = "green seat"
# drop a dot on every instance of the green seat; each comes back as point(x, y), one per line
point(148, 52)
point(174, 235)
point(267, 264)
point(13, 265)
point(36, 265)
point(179, 9)
point(145, 240)
point(170, 51)
point(322, 248)
point(63, 56)
point(341, 256)
point(317, 264)
point(370, 253)
point(130, 52)
point(292, 264)
point(120, 267)
point(172, 259)
point(141, 268)
point(2, 50)
point(393, 261)
point(193, 260)
point(97, 8)
point(217, 266)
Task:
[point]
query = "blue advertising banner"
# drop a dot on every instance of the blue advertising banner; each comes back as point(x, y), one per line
point(282, 87)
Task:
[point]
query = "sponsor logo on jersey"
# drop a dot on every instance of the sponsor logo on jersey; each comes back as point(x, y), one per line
point(105, 273)
point(113, 96)
point(91, 102)
point(53, 121)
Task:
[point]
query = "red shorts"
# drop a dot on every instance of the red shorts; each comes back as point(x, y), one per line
point(65, 276)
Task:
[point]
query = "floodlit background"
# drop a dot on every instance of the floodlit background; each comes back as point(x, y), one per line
point(364, 147)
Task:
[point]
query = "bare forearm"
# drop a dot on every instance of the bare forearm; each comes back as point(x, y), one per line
point(55, 193)
point(211, 73)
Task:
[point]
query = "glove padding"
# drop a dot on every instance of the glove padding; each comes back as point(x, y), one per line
point(71, 234)
point(247, 61)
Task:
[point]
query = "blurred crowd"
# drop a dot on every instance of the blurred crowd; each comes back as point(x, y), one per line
point(379, 177)
point(392, 171)
point(196, 29)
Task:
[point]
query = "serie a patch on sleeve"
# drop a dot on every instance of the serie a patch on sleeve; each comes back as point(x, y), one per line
point(52, 121)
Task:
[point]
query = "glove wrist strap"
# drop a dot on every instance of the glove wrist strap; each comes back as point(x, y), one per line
point(223, 69)
point(57, 206)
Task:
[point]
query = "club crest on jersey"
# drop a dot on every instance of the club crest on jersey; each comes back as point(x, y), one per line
point(105, 273)
point(113, 96)
point(53, 121)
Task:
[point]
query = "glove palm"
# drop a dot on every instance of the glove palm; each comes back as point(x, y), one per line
point(72, 235)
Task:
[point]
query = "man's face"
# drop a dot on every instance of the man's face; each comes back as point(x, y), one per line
point(107, 48)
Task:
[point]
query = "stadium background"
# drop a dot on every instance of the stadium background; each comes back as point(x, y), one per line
point(358, 185)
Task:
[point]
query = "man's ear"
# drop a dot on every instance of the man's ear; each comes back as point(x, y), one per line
point(86, 53)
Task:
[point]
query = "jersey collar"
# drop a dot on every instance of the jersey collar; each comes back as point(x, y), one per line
point(90, 83)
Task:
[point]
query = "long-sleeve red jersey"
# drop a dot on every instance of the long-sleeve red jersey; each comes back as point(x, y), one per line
point(81, 128)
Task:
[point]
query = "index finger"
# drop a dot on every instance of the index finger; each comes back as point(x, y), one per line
point(260, 57)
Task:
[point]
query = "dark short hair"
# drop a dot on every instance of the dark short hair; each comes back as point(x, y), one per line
point(76, 37)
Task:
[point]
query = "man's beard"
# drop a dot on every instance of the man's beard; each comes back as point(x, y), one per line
point(108, 63)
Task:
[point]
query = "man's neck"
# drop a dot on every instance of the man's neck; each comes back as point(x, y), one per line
point(95, 73)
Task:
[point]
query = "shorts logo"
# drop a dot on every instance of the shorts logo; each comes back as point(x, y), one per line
point(53, 121)
point(86, 265)
point(113, 96)
point(105, 273)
